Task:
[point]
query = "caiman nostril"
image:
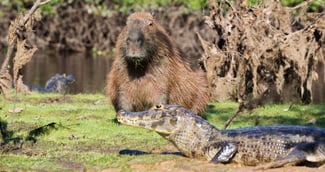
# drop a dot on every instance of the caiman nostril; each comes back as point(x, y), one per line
point(158, 106)
point(120, 113)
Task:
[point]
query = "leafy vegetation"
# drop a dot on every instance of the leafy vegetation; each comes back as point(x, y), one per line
point(77, 132)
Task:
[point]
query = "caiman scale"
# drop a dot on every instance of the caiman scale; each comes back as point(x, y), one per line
point(265, 146)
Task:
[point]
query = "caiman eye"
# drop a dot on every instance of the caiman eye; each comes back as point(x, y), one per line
point(158, 106)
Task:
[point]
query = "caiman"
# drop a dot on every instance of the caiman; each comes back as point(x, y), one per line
point(264, 146)
point(56, 84)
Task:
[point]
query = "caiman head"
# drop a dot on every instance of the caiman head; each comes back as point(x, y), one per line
point(164, 119)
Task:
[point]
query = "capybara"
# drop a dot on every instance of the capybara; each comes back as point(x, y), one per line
point(148, 69)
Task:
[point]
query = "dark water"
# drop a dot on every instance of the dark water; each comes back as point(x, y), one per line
point(89, 72)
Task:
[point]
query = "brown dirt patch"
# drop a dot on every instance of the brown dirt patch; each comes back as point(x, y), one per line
point(75, 166)
point(182, 164)
point(61, 99)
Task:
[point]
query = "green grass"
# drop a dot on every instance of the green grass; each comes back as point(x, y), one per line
point(269, 114)
point(86, 136)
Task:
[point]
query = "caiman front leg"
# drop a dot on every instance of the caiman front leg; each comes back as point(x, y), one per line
point(221, 152)
point(312, 152)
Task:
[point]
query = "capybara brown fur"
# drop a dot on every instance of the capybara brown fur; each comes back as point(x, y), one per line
point(148, 69)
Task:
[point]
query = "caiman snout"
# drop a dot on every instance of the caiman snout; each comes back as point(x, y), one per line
point(119, 114)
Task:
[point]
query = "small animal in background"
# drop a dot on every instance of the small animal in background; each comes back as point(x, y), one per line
point(149, 69)
point(56, 84)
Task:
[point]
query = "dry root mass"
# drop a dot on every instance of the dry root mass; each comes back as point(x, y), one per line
point(265, 53)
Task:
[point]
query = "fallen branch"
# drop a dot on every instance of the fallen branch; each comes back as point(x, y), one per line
point(303, 4)
point(240, 109)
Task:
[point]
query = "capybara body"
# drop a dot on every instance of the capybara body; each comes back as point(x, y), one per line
point(148, 70)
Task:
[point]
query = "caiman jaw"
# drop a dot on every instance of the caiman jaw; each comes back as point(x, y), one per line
point(153, 119)
point(130, 118)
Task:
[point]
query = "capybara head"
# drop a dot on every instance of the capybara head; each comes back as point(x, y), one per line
point(149, 69)
point(142, 38)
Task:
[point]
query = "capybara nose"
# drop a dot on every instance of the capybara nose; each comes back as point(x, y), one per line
point(135, 37)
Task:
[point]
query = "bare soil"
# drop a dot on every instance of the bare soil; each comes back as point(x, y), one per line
point(186, 165)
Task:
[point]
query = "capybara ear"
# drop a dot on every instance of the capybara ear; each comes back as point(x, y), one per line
point(131, 11)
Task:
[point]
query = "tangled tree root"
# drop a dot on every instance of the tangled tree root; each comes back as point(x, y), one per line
point(269, 52)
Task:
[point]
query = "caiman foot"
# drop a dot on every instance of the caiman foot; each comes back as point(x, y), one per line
point(225, 154)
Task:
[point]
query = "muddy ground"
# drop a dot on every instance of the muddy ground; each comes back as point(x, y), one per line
point(190, 165)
